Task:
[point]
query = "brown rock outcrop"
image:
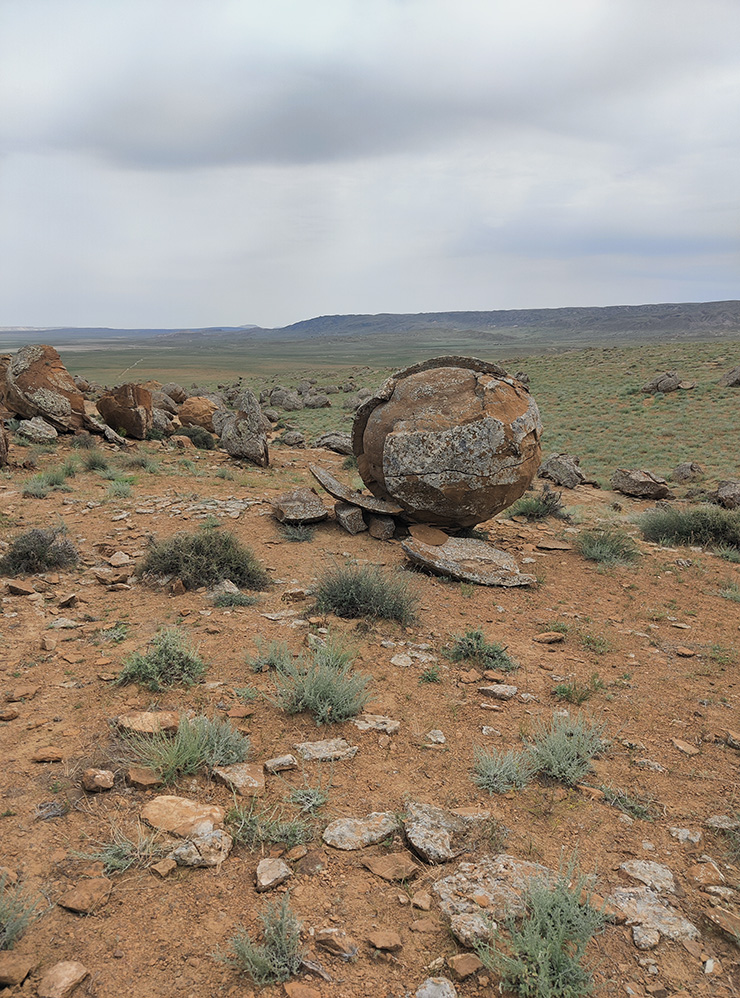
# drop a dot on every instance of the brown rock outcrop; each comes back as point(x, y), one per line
point(453, 441)
point(641, 484)
point(198, 411)
point(128, 410)
point(4, 445)
point(38, 384)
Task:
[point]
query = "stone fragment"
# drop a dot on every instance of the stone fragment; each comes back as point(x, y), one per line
point(182, 817)
point(382, 528)
point(499, 691)
point(87, 896)
point(281, 764)
point(421, 900)
point(94, 780)
point(164, 867)
point(645, 937)
point(641, 906)
point(706, 874)
point(392, 866)
point(436, 737)
point(727, 921)
point(14, 968)
point(337, 942)
point(469, 560)
point(356, 833)
point(38, 384)
point(312, 863)
point(61, 980)
point(727, 494)
point(498, 880)
point(21, 693)
point(553, 544)
point(247, 779)
point(685, 747)
point(385, 939)
point(425, 925)
point(8, 714)
point(149, 722)
point(327, 750)
point(143, 778)
point(209, 849)
point(48, 754)
point(563, 470)
point(470, 929)
point(377, 722)
point(732, 739)
point(640, 484)
point(687, 471)
point(437, 835)
point(402, 660)
point(294, 989)
point(37, 430)
point(453, 440)
point(127, 410)
point(341, 443)
point(118, 559)
point(299, 506)
point(436, 987)
point(549, 638)
point(651, 874)
point(685, 835)
point(464, 965)
point(271, 873)
point(723, 823)
point(349, 517)
point(198, 411)
point(370, 504)
point(684, 652)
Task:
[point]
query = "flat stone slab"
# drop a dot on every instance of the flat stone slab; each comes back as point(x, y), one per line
point(62, 979)
point(248, 779)
point(281, 764)
point(499, 691)
point(182, 817)
point(376, 722)
point(356, 833)
point(495, 884)
point(436, 834)
point(206, 850)
point(436, 987)
point(337, 942)
point(327, 750)
point(392, 866)
point(149, 722)
point(271, 873)
point(87, 896)
point(335, 488)
point(14, 968)
point(468, 560)
point(642, 906)
point(299, 506)
point(653, 875)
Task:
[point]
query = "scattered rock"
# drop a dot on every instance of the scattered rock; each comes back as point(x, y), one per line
point(164, 867)
point(209, 849)
point(727, 494)
point(182, 817)
point(641, 906)
point(654, 875)
point(294, 989)
point(127, 408)
point(641, 484)
point(271, 873)
point(377, 722)
point(87, 896)
point(499, 691)
point(470, 929)
point(8, 714)
point(436, 987)
point(350, 517)
point(723, 823)
point(494, 882)
point(337, 942)
point(727, 921)
point(94, 780)
point(299, 506)
point(312, 863)
point(469, 560)
point(327, 750)
point(386, 940)
point(685, 835)
point(436, 737)
point(437, 835)
point(22, 693)
point(392, 866)
point(247, 779)
point(731, 379)
point(685, 747)
point(687, 471)
point(563, 470)
point(549, 637)
point(14, 968)
point(37, 430)
point(356, 833)
point(243, 434)
point(382, 528)
point(198, 411)
point(149, 722)
point(281, 764)
point(48, 754)
point(464, 965)
point(143, 778)
point(61, 980)
point(670, 381)
point(706, 874)
point(341, 443)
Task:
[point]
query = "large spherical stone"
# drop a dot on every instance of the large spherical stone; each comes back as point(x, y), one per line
point(453, 441)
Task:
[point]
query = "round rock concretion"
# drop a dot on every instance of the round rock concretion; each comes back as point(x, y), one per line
point(453, 441)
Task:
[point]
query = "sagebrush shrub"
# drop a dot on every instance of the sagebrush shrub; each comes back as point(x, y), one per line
point(279, 957)
point(498, 772)
point(474, 647)
point(357, 591)
point(330, 692)
point(204, 558)
point(564, 748)
point(198, 743)
point(17, 910)
point(38, 551)
point(170, 661)
point(607, 545)
point(706, 525)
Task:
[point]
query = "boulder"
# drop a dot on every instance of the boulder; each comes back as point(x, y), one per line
point(731, 379)
point(38, 384)
point(176, 392)
point(4, 446)
point(340, 443)
point(641, 484)
point(727, 494)
point(563, 470)
point(669, 381)
point(453, 441)
point(293, 438)
point(128, 410)
point(356, 833)
point(198, 411)
point(317, 400)
point(271, 415)
point(243, 434)
point(161, 422)
point(437, 835)
point(350, 517)
point(161, 400)
point(299, 506)
point(283, 398)
point(37, 430)
point(687, 471)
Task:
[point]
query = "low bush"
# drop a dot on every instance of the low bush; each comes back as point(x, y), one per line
point(564, 748)
point(499, 772)
point(276, 655)
point(38, 551)
point(276, 959)
point(119, 489)
point(356, 591)
point(83, 441)
point(94, 460)
point(607, 545)
point(578, 693)
point(636, 805)
point(170, 661)
point(253, 827)
point(325, 688)
point(202, 439)
point(707, 525)
point(234, 599)
point(297, 533)
point(474, 647)
point(204, 558)
point(538, 507)
point(17, 910)
point(124, 853)
point(198, 743)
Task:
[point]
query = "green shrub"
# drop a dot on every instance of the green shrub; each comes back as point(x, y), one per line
point(542, 956)
point(83, 441)
point(226, 473)
point(607, 545)
point(204, 558)
point(279, 957)
point(473, 647)
point(17, 911)
point(728, 553)
point(578, 693)
point(119, 489)
point(538, 507)
point(94, 460)
point(234, 599)
point(564, 749)
point(202, 439)
point(169, 662)
point(143, 462)
point(276, 655)
point(330, 692)
point(253, 827)
point(498, 772)
point(38, 551)
point(731, 591)
point(297, 533)
point(430, 675)
point(198, 743)
point(705, 525)
point(124, 853)
point(355, 591)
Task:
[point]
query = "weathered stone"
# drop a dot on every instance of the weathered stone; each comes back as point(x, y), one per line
point(182, 817)
point(327, 750)
point(641, 906)
point(38, 384)
point(61, 980)
point(294, 989)
point(728, 921)
point(468, 560)
point(377, 722)
point(337, 942)
point(706, 874)
point(464, 965)
point(499, 691)
point(685, 747)
point(17, 587)
point(210, 849)
point(645, 937)
point(727, 494)
point(14, 968)
point(4, 446)
point(246, 778)
point(355, 833)
point(453, 440)
point(341, 443)
point(382, 528)
point(687, 471)
point(299, 506)
point(549, 637)
point(149, 722)
point(350, 517)
point(284, 398)
point(94, 780)
point(653, 875)
point(8, 713)
point(281, 764)
point(243, 433)
point(667, 382)
point(436, 987)
point(164, 867)
point(563, 470)
point(127, 408)
point(641, 484)
point(344, 494)
point(470, 929)
point(385, 939)
point(436, 834)
point(143, 778)
point(495, 883)
point(271, 873)
point(37, 430)
point(312, 863)
point(49, 753)
point(317, 400)
point(176, 392)
point(293, 438)
point(197, 410)
point(685, 835)
point(723, 823)
point(392, 866)
point(87, 896)
point(23, 692)
point(731, 379)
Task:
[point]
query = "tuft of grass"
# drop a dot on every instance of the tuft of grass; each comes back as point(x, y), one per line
point(142, 462)
point(474, 647)
point(596, 643)
point(116, 633)
point(731, 591)
point(704, 525)
point(635, 805)
point(541, 955)
point(430, 675)
point(276, 656)
point(17, 910)
point(538, 507)
point(327, 687)
point(170, 661)
point(234, 599)
point(39, 486)
point(225, 473)
point(607, 546)
point(83, 441)
point(198, 743)
point(252, 827)
point(246, 694)
point(204, 558)
point(307, 798)
point(297, 533)
point(119, 489)
point(38, 551)
point(124, 853)
point(564, 749)
point(356, 591)
point(499, 772)
point(276, 959)
point(578, 693)
point(94, 460)
point(728, 553)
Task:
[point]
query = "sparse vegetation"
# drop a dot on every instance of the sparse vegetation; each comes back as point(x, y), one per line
point(499, 772)
point(705, 525)
point(204, 558)
point(170, 661)
point(297, 533)
point(38, 551)
point(198, 743)
point(276, 655)
point(564, 748)
point(473, 646)
point(607, 546)
point(578, 693)
point(731, 591)
point(95, 460)
point(125, 853)
point(254, 826)
point(636, 805)
point(430, 675)
point(119, 489)
point(537, 507)
point(234, 599)
point(326, 687)
point(17, 910)
point(276, 959)
point(355, 591)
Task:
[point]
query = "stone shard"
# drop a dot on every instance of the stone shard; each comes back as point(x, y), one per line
point(245, 778)
point(87, 896)
point(210, 849)
point(337, 942)
point(377, 722)
point(563, 470)
point(340, 443)
point(344, 494)
point(299, 506)
point(281, 764)
point(61, 979)
point(653, 875)
point(356, 833)
point(437, 835)
point(350, 517)
point(127, 410)
point(468, 560)
point(326, 750)
point(436, 987)
point(14, 968)
point(642, 906)
point(392, 866)
point(38, 384)
point(182, 817)
point(271, 873)
point(94, 780)
point(452, 440)
point(640, 484)
point(149, 722)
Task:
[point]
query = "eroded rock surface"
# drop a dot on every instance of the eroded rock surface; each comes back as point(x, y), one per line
point(563, 470)
point(469, 560)
point(641, 484)
point(356, 833)
point(299, 506)
point(127, 408)
point(38, 384)
point(243, 432)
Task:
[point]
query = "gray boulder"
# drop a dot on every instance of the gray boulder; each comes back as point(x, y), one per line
point(283, 398)
point(161, 422)
point(641, 484)
point(176, 392)
point(687, 471)
point(666, 382)
point(37, 430)
point(731, 379)
point(340, 443)
point(161, 400)
point(316, 400)
point(243, 433)
point(293, 438)
point(563, 470)
point(727, 494)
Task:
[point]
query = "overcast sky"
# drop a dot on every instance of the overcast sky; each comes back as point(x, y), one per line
point(207, 162)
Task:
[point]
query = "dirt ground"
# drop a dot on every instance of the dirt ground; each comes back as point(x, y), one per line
point(660, 637)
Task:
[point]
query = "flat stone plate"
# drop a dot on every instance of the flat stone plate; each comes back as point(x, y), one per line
point(335, 488)
point(468, 560)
